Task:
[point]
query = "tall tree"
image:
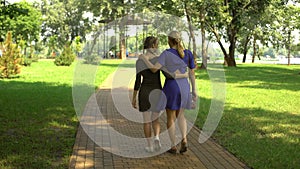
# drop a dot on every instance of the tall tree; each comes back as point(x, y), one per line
point(66, 19)
point(10, 14)
point(224, 20)
point(289, 19)
point(28, 27)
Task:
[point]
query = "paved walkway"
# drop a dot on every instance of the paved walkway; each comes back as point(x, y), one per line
point(95, 140)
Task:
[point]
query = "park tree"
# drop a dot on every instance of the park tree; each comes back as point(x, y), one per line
point(196, 12)
point(9, 12)
point(22, 19)
point(225, 20)
point(64, 19)
point(54, 22)
point(295, 50)
point(10, 61)
point(289, 19)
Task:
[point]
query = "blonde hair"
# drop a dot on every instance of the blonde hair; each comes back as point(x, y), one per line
point(175, 39)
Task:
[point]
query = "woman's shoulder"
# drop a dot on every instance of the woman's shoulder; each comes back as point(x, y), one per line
point(187, 50)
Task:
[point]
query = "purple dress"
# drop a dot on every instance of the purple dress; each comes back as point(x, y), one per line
point(177, 91)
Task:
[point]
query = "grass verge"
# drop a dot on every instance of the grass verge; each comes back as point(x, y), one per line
point(261, 118)
point(37, 118)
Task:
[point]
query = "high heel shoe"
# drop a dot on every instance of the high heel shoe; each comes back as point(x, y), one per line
point(173, 150)
point(183, 147)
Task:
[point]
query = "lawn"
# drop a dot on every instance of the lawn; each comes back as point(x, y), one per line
point(261, 118)
point(37, 117)
point(260, 123)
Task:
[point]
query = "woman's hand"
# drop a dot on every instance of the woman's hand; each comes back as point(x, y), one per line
point(134, 103)
point(178, 74)
point(194, 96)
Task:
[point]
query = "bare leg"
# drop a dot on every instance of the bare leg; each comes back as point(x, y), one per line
point(155, 123)
point(156, 130)
point(171, 117)
point(182, 124)
point(183, 129)
point(147, 127)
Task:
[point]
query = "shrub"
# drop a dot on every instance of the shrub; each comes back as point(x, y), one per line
point(66, 58)
point(10, 61)
point(92, 59)
point(26, 61)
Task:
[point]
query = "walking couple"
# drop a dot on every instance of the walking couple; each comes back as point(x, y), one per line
point(175, 96)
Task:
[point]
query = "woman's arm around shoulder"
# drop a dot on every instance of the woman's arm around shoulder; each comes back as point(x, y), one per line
point(154, 68)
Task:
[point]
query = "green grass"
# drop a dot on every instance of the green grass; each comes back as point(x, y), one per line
point(37, 117)
point(261, 119)
point(260, 123)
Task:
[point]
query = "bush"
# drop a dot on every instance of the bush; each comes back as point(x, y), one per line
point(10, 61)
point(92, 59)
point(26, 61)
point(66, 58)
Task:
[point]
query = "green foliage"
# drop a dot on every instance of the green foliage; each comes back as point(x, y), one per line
point(11, 58)
point(66, 58)
point(92, 59)
point(77, 45)
point(65, 18)
point(52, 45)
point(296, 50)
point(22, 19)
point(26, 61)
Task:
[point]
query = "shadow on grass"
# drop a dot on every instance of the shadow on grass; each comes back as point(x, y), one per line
point(275, 77)
point(38, 125)
point(259, 137)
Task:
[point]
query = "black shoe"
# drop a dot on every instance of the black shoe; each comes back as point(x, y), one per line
point(172, 151)
point(183, 147)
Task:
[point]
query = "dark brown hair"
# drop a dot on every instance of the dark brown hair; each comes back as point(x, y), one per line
point(150, 41)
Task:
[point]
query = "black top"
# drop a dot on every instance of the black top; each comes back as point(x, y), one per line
point(150, 82)
point(149, 78)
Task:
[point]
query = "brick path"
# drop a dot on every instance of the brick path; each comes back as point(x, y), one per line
point(95, 140)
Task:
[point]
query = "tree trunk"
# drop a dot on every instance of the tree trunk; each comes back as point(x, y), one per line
point(289, 48)
point(204, 49)
point(93, 43)
point(232, 39)
point(230, 58)
point(122, 54)
point(189, 44)
point(192, 34)
point(245, 51)
point(226, 56)
point(254, 48)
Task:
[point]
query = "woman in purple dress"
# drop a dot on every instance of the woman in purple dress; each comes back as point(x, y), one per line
point(177, 91)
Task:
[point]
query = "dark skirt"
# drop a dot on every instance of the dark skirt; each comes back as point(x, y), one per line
point(149, 97)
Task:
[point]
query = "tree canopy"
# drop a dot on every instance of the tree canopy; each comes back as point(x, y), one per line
point(240, 24)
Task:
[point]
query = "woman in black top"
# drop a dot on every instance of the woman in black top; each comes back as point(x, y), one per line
point(151, 83)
